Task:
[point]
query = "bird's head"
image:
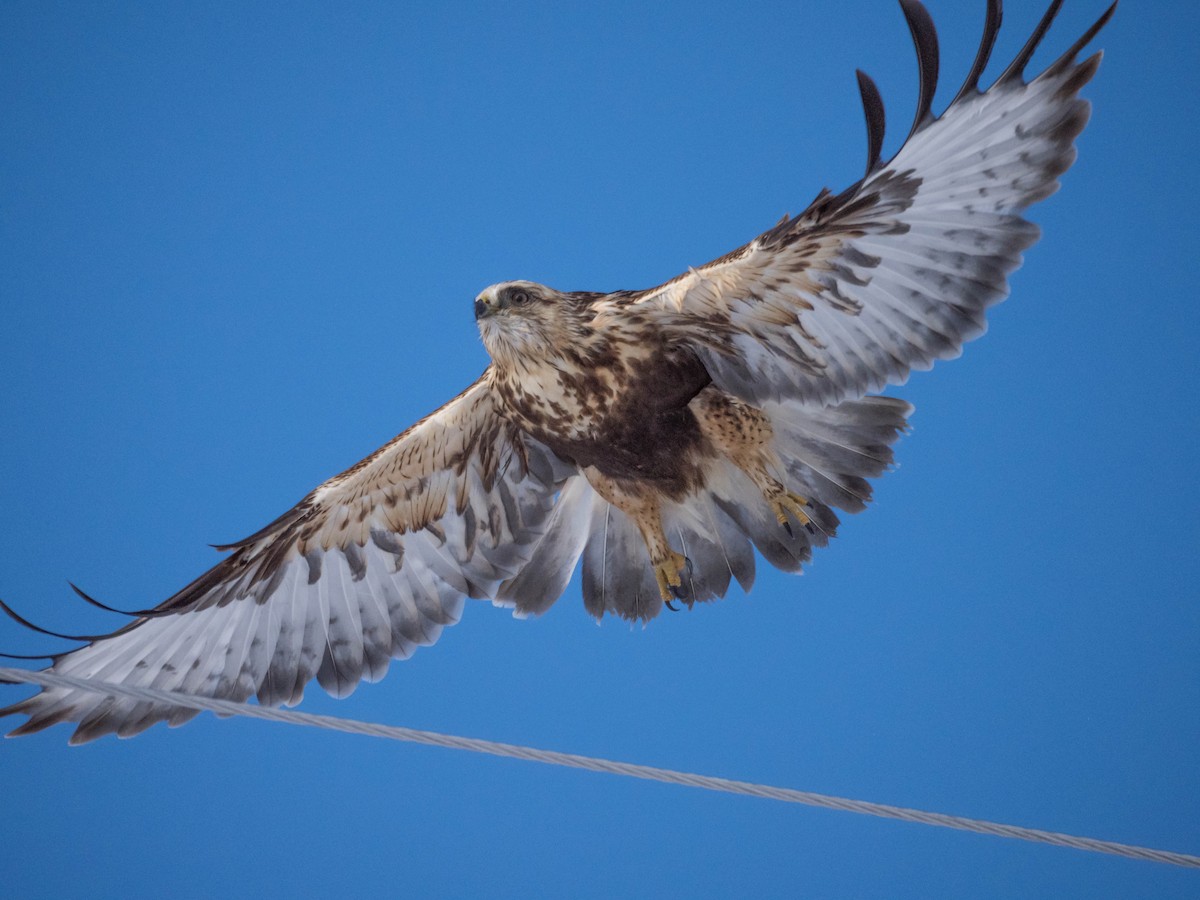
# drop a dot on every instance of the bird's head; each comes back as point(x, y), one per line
point(521, 321)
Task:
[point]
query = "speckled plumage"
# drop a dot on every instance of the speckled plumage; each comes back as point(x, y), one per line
point(660, 437)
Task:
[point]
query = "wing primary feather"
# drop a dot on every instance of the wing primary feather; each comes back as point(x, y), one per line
point(1067, 58)
point(1016, 69)
point(991, 28)
point(134, 614)
point(876, 120)
point(924, 37)
point(21, 620)
point(298, 513)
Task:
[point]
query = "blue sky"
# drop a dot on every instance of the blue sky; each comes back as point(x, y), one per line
point(238, 249)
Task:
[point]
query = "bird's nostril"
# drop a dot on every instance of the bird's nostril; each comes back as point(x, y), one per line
point(480, 308)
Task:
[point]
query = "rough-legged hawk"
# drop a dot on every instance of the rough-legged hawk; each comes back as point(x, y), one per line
point(660, 435)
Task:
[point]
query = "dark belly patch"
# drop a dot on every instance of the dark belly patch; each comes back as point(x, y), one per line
point(663, 448)
point(646, 432)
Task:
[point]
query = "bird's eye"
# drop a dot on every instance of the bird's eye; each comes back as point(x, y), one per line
point(518, 297)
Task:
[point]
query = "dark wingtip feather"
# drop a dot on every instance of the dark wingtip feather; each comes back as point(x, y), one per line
point(298, 513)
point(21, 620)
point(1016, 69)
point(991, 28)
point(1086, 38)
point(135, 614)
point(34, 725)
point(924, 37)
point(876, 122)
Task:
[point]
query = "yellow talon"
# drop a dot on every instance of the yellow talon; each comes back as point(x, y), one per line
point(666, 572)
point(787, 502)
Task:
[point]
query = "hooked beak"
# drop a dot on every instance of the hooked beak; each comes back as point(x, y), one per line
point(482, 308)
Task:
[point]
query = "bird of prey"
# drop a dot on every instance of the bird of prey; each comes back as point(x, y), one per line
point(660, 436)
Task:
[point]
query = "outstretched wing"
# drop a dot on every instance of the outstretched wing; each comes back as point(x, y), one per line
point(368, 566)
point(898, 270)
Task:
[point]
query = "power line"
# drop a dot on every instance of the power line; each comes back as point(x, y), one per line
point(572, 760)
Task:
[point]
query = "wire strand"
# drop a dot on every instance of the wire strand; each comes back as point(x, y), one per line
point(572, 760)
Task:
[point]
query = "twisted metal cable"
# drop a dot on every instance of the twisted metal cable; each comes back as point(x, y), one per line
point(572, 760)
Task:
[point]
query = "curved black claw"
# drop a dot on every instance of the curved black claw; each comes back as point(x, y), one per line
point(686, 589)
point(808, 526)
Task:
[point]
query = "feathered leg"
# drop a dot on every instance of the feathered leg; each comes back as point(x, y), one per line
point(643, 506)
point(743, 435)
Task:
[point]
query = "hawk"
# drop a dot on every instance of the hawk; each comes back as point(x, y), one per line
point(661, 436)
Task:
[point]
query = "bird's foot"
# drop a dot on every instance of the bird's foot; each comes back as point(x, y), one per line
point(784, 502)
point(666, 573)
